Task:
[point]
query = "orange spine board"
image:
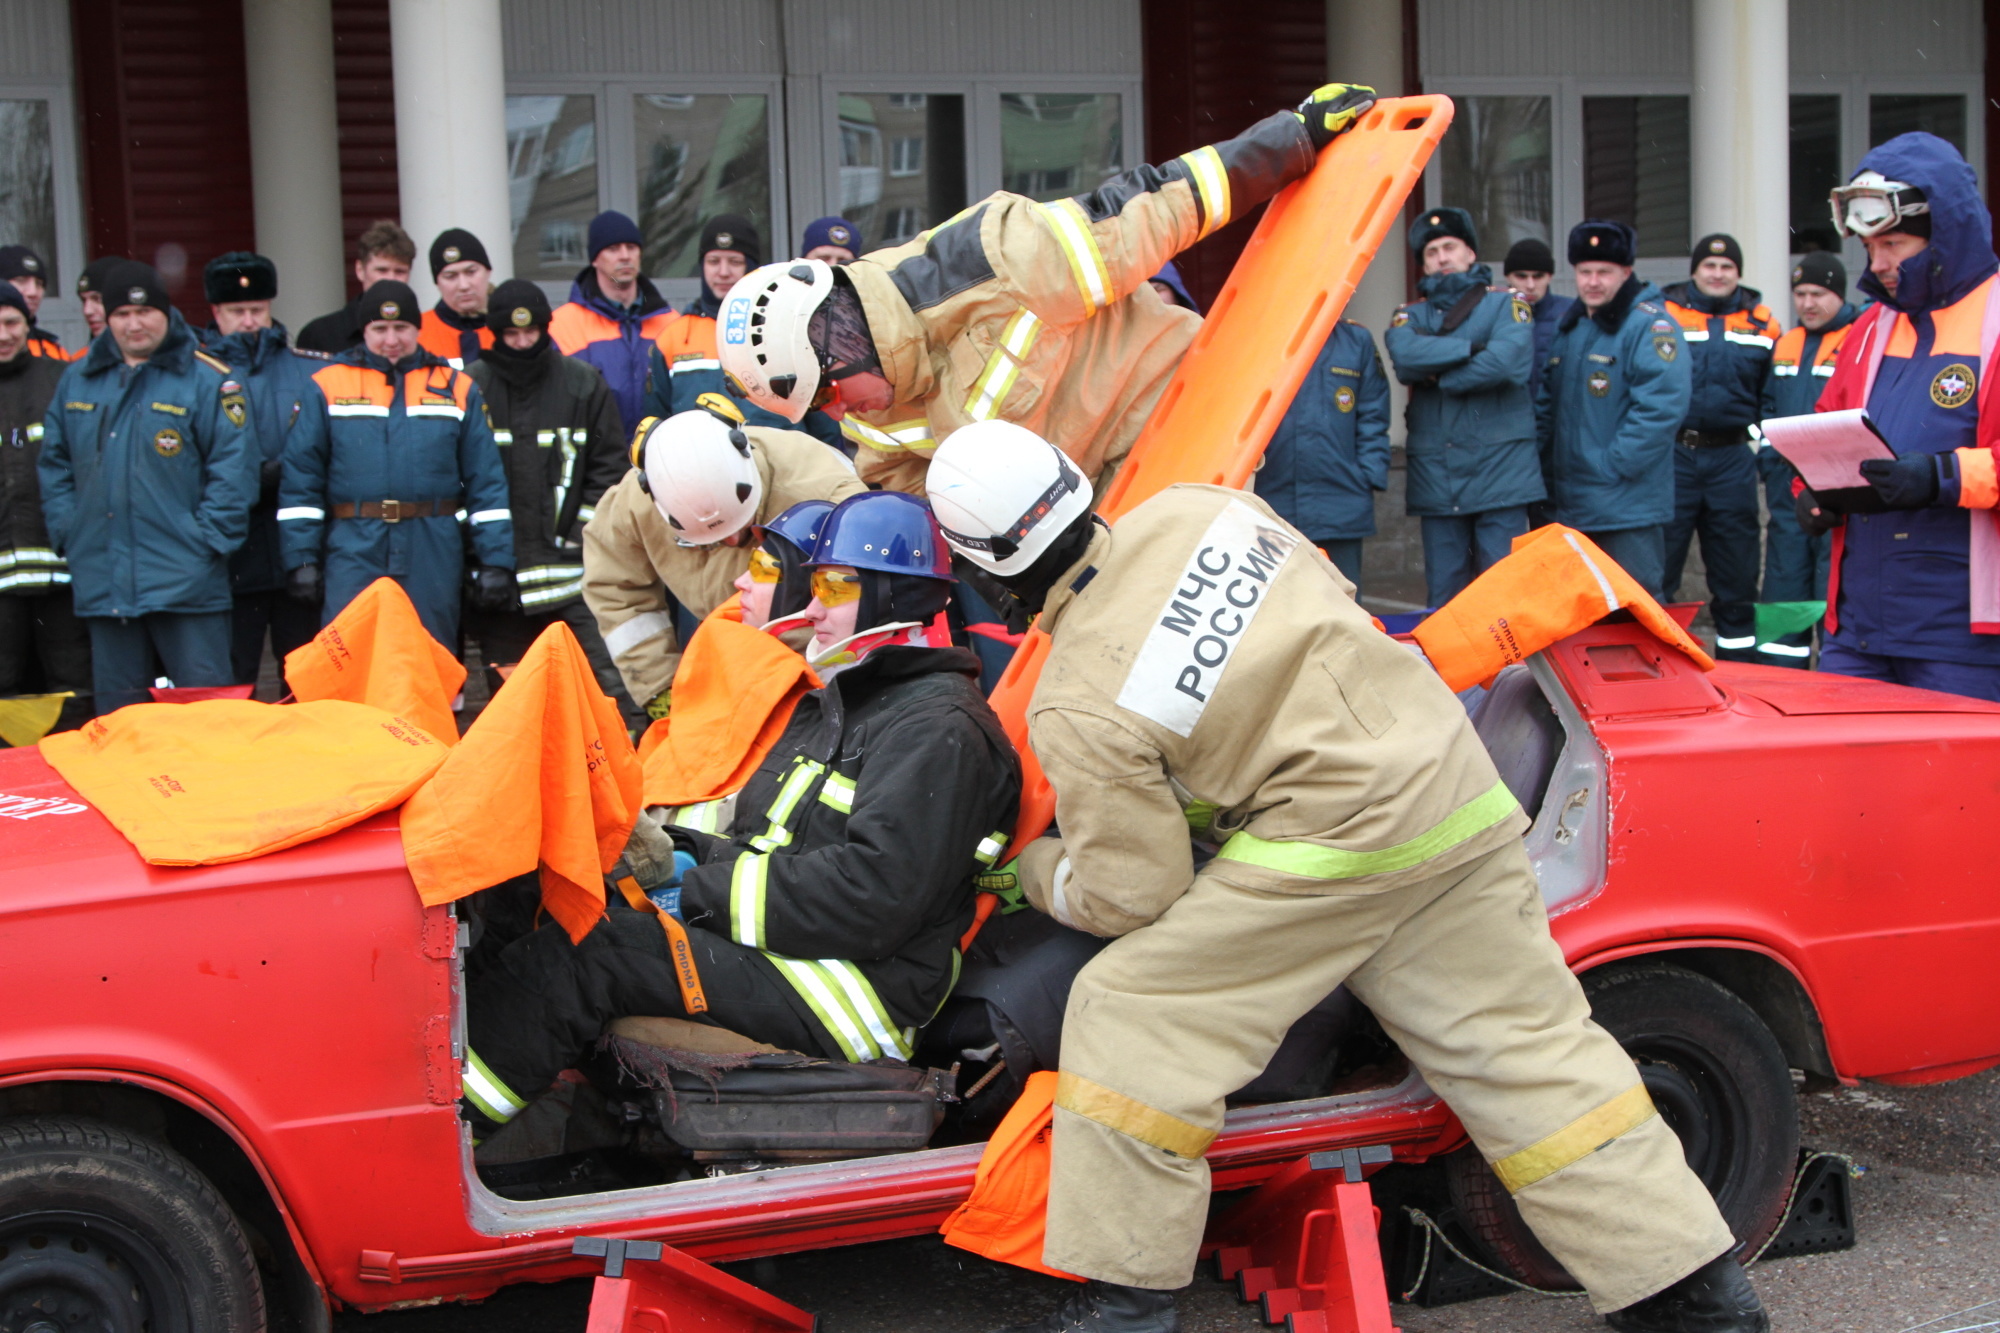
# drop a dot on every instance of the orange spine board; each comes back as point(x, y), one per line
point(1237, 381)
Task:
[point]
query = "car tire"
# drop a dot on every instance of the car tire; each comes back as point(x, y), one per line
point(1721, 1083)
point(104, 1228)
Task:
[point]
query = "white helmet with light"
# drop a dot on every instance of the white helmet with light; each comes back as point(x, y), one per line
point(700, 471)
point(1871, 204)
point(1003, 494)
point(761, 335)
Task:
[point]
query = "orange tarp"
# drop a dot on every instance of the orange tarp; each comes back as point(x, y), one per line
point(733, 696)
point(228, 779)
point(545, 777)
point(376, 651)
point(1554, 582)
point(1006, 1216)
point(1259, 339)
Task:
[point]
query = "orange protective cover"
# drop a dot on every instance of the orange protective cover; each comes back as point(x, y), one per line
point(1237, 380)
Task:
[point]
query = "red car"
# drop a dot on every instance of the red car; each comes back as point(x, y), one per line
point(228, 1094)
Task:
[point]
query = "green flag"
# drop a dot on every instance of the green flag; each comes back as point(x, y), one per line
point(1777, 619)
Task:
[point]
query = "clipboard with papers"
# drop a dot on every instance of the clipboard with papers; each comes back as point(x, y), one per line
point(1828, 448)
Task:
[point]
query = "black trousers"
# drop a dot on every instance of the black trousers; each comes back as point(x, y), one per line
point(45, 649)
point(540, 1003)
point(290, 624)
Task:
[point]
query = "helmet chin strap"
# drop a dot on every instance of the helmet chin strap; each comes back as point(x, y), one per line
point(847, 652)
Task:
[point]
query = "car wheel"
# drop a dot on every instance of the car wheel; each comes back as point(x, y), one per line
point(105, 1229)
point(1720, 1081)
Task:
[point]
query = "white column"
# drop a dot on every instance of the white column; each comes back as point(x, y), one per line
point(1740, 137)
point(1364, 44)
point(451, 127)
point(295, 152)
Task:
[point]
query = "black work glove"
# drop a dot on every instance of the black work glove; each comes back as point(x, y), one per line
point(304, 584)
point(494, 589)
point(1333, 108)
point(1915, 482)
point(268, 476)
point(1812, 517)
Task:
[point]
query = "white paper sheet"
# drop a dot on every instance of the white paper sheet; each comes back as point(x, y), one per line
point(1827, 448)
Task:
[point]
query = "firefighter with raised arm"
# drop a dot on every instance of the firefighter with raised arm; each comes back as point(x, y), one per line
point(1210, 668)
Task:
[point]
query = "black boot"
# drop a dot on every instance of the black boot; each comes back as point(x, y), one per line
point(1106, 1307)
point(1715, 1298)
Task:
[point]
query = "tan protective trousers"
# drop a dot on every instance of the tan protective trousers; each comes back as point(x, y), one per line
point(1463, 975)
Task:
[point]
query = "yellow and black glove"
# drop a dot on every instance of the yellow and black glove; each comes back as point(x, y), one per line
point(1004, 883)
point(1333, 108)
point(661, 705)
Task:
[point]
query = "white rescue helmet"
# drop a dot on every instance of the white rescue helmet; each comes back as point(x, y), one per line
point(1871, 204)
point(761, 335)
point(1003, 494)
point(700, 471)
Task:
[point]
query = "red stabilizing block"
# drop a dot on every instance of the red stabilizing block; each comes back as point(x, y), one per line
point(1305, 1246)
point(679, 1294)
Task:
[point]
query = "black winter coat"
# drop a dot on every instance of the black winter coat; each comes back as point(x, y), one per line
point(28, 567)
point(855, 845)
point(562, 444)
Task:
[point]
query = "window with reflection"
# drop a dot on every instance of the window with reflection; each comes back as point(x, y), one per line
point(1816, 169)
point(1495, 163)
point(902, 162)
point(1053, 145)
point(1942, 114)
point(28, 181)
point(697, 155)
point(551, 182)
point(1635, 169)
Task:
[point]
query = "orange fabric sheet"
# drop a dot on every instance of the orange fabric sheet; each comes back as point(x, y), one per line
point(1554, 582)
point(733, 696)
point(1007, 1214)
point(376, 651)
point(228, 779)
point(545, 777)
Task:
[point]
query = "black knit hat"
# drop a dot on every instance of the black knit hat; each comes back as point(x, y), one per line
point(92, 277)
point(239, 276)
point(517, 304)
point(1530, 256)
point(1718, 245)
point(732, 231)
point(11, 295)
point(1821, 268)
point(1442, 222)
point(1596, 240)
point(18, 261)
point(455, 245)
point(390, 300)
point(129, 282)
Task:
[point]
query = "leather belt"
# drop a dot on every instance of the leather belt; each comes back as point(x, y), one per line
point(395, 511)
point(1714, 439)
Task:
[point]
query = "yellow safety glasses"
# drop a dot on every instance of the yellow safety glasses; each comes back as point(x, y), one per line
point(765, 567)
point(831, 589)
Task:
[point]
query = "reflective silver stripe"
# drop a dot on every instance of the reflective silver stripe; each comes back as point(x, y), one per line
point(1694, 335)
point(1749, 339)
point(687, 364)
point(503, 437)
point(535, 598)
point(1783, 370)
point(568, 475)
point(803, 772)
point(990, 848)
point(1785, 650)
point(703, 817)
point(867, 1005)
point(450, 412)
point(622, 639)
point(495, 1100)
point(356, 410)
point(23, 555)
point(493, 516)
point(748, 882)
point(548, 573)
point(838, 792)
point(820, 995)
point(545, 439)
point(1824, 369)
point(1743, 642)
point(35, 431)
point(32, 578)
point(1603, 584)
point(302, 512)
point(1059, 896)
point(587, 513)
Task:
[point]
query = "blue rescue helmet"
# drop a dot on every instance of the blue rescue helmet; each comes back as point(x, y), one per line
point(886, 531)
point(789, 539)
point(801, 525)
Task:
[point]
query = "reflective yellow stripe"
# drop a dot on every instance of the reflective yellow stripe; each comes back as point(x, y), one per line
point(990, 848)
point(1004, 366)
point(868, 1006)
point(1134, 1119)
point(823, 998)
point(1315, 862)
point(838, 792)
point(1086, 262)
point(1211, 183)
point(1577, 1140)
point(705, 817)
point(787, 800)
point(495, 1100)
point(901, 435)
point(748, 881)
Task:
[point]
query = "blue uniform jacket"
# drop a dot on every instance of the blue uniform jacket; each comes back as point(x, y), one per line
point(1794, 388)
point(1472, 424)
point(1548, 313)
point(616, 340)
point(279, 381)
point(148, 474)
point(413, 432)
point(1729, 345)
point(1614, 392)
point(1330, 454)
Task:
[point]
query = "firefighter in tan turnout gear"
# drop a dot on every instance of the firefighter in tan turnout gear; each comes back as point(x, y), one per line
point(1013, 310)
point(680, 528)
point(1210, 667)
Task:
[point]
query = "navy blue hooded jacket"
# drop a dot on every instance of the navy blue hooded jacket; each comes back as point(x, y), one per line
point(278, 380)
point(1330, 454)
point(1472, 423)
point(1902, 579)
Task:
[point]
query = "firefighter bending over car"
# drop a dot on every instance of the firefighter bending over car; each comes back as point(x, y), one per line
point(1014, 310)
point(677, 531)
point(1209, 667)
point(826, 919)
